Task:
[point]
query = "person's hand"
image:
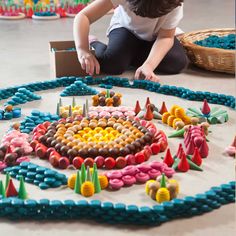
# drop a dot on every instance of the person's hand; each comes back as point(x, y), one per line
point(146, 72)
point(88, 62)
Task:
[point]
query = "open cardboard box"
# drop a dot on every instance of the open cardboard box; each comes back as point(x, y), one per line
point(64, 62)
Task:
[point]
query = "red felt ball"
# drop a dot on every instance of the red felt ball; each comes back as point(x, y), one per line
point(77, 162)
point(54, 160)
point(155, 147)
point(63, 163)
point(110, 163)
point(121, 162)
point(139, 158)
point(88, 162)
point(130, 159)
point(99, 160)
point(146, 154)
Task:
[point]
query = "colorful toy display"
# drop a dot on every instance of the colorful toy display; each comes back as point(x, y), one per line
point(162, 189)
point(214, 41)
point(84, 183)
point(183, 163)
point(175, 115)
point(9, 112)
point(34, 174)
point(78, 88)
point(110, 142)
point(102, 112)
point(22, 96)
point(45, 15)
point(195, 137)
point(137, 174)
point(149, 112)
point(48, 142)
point(213, 116)
point(107, 98)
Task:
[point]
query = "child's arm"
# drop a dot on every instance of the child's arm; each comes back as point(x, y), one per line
point(162, 45)
point(82, 22)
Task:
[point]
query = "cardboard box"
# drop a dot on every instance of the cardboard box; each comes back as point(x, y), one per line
point(64, 62)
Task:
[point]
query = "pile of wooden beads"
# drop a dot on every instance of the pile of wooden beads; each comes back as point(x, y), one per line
point(107, 98)
point(162, 189)
point(137, 174)
point(176, 114)
point(101, 112)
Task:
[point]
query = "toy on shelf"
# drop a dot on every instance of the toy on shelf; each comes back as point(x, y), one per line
point(108, 112)
point(72, 7)
point(195, 137)
point(72, 110)
point(212, 115)
point(86, 184)
point(14, 149)
point(45, 15)
point(231, 149)
point(34, 174)
point(78, 88)
point(112, 142)
point(9, 112)
point(107, 98)
point(162, 189)
point(22, 96)
point(137, 174)
point(174, 116)
point(10, 11)
point(149, 112)
point(182, 163)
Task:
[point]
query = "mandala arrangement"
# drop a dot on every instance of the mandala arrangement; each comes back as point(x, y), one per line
point(116, 139)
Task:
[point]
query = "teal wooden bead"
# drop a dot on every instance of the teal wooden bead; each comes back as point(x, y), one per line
point(43, 186)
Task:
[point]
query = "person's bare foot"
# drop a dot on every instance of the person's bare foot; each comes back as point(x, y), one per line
point(92, 38)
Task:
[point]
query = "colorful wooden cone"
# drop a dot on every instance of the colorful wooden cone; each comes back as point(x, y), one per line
point(87, 106)
point(22, 194)
point(183, 165)
point(178, 133)
point(190, 148)
point(94, 171)
point(163, 108)
point(11, 190)
point(96, 183)
point(73, 102)
point(163, 181)
point(83, 173)
point(203, 149)
point(147, 102)
point(149, 114)
point(58, 109)
point(7, 180)
point(78, 183)
point(179, 151)
point(176, 163)
point(196, 158)
point(205, 108)
point(193, 166)
point(88, 175)
point(137, 108)
point(2, 189)
point(169, 160)
point(60, 102)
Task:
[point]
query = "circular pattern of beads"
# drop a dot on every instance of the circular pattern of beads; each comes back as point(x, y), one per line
point(112, 137)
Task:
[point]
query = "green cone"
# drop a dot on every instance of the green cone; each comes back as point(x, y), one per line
point(157, 115)
point(77, 183)
point(196, 111)
point(88, 175)
point(58, 109)
point(163, 181)
point(22, 194)
point(7, 180)
point(60, 102)
point(178, 133)
point(73, 102)
point(193, 166)
point(176, 163)
point(70, 111)
point(83, 173)
point(94, 171)
point(87, 106)
point(2, 190)
point(108, 94)
point(96, 182)
point(84, 111)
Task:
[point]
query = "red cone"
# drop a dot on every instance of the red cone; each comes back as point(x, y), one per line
point(196, 158)
point(163, 108)
point(147, 102)
point(190, 148)
point(11, 190)
point(205, 108)
point(169, 160)
point(137, 108)
point(204, 149)
point(149, 114)
point(183, 165)
point(179, 151)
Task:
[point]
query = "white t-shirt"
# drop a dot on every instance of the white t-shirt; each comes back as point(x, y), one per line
point(143, 27)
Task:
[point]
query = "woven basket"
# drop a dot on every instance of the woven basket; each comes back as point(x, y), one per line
point(213, 59)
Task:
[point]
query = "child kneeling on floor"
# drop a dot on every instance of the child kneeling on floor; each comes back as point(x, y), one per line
point(141, 34)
